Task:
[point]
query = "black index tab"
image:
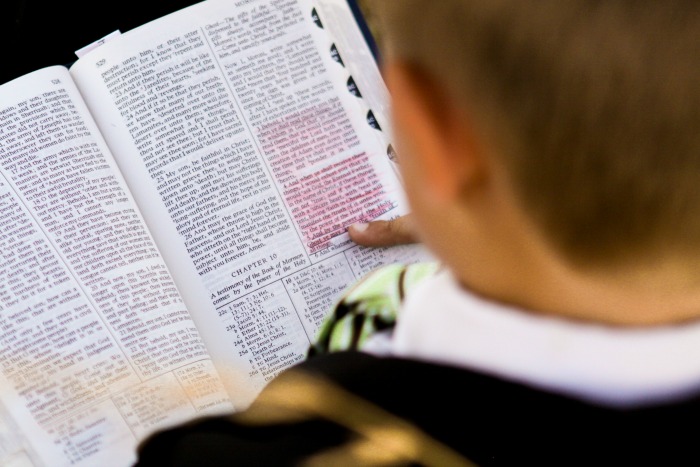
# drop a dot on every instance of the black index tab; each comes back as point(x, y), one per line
point(372, 120)
point(352, 87)
point(336, 55)
point(391, 154)
point(316, 18)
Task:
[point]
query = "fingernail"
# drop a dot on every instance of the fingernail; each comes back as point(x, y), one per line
point(359, 228)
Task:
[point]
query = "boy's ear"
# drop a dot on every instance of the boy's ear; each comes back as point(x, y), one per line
point(443, 148)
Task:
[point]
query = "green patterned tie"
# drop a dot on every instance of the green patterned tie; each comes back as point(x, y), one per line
point(369, 306)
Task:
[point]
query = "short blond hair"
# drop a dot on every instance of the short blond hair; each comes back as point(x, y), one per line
point(597, 102)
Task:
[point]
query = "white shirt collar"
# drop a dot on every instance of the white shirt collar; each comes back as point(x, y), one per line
point(442, 322)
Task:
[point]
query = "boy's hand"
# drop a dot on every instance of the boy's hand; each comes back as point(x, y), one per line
point(384, 233)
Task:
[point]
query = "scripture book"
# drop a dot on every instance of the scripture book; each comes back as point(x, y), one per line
point(173, 215)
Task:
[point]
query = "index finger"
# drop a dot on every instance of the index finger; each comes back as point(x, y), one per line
point(398, 231)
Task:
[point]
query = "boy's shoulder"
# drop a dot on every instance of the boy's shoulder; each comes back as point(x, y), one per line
point(339, 402)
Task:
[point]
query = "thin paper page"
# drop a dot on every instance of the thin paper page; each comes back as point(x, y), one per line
point(90, 47)
point(349, 45)
point(249, 157)
point(97, 349)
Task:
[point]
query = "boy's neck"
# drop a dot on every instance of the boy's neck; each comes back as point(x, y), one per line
point(505, 259)
point(652, 298)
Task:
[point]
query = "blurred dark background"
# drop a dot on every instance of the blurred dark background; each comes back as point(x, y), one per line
point(39, 33)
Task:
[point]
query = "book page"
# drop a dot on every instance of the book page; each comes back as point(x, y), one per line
point(249, 155)
point(97, 349)
point(349, 48)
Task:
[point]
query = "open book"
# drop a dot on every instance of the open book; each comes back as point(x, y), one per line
point(172, 220)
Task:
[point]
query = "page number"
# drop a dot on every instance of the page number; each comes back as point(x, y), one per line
point(55, 81)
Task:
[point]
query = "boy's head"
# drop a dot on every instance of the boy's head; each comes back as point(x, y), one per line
point(583, 114)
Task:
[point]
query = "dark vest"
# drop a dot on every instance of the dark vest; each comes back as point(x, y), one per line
point(415, 413)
